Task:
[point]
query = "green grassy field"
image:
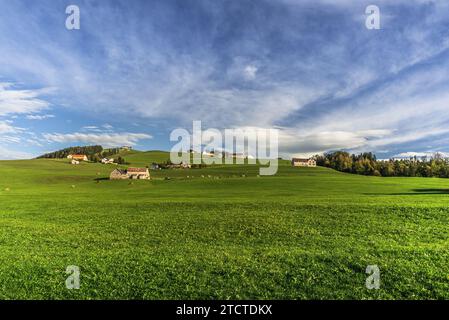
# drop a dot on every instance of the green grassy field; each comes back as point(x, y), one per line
point(219, 233)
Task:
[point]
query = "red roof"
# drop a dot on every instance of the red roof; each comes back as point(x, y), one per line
point(137, 170)
point(300, 160)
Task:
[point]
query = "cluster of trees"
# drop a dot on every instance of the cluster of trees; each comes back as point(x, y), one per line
point(97, 158)
point(90, 151)
point(93, 153)
point(110, 152)
point(121, 160)
point(367, 164)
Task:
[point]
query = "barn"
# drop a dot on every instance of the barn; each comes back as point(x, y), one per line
point(130, 173)
point(77, 157)
point(118, 174)
point(301, 162)
point(138, 173)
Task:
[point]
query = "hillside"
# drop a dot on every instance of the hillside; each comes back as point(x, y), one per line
point(146, 158)
point(143, 158)
point(63, 153)
point(306, 233)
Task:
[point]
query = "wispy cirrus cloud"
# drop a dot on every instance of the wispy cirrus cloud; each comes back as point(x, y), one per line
point(104, 139)
point(19, 101)
point(11, 154)
point(411, 154)
point(105, 128)
point(5, 127)
point(39, 116)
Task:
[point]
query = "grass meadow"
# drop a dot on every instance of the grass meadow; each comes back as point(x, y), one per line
point(220, 232)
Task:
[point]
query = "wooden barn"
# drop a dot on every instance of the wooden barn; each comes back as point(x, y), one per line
point(118, 174)
point(130, 173)
point(301, 162)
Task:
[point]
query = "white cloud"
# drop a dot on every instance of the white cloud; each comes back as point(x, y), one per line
point(106, 128)
point(11, 136)
point(294, 142)
point(39, 117)
point(34, 142)
point(91, 128)
point(8, 154)
point(10, 139)
point(242, 68)
point(21, 101)
point(250, 72)
point(411, 154)
point(407, 109)
point(6, 127)
point(104, 139)
point(224, 108)
point(298, 143)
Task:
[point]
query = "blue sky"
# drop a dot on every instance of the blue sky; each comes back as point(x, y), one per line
point(138, 69)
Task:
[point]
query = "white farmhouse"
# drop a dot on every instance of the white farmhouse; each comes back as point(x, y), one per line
point(302, 162)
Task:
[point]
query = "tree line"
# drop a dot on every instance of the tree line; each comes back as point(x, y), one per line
point(367, 164)
point(93, 153)
point(89, 151)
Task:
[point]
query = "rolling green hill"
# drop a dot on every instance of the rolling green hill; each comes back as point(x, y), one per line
point(143, 158)
point(219, 232)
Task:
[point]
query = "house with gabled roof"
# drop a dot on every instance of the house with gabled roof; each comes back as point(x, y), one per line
point(78, 157)
point(130, 173)
point(303, 162)
point(138, 173)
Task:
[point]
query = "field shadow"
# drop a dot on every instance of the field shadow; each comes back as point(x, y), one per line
point(101, 179)
point(414, 193)
point(431, 191)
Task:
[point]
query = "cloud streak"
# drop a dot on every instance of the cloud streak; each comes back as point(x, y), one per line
point(16, 101)
point(39, 117)
point(104, 139)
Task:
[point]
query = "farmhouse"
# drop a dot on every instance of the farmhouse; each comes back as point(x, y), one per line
point(238, 155)
point(78, 157)
point(106, 160)
point(182, 165)
point(185, 165)
point(302, 162)
point(118, 174)
point(209, 153)
point(131, 173)
point(138, 173)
